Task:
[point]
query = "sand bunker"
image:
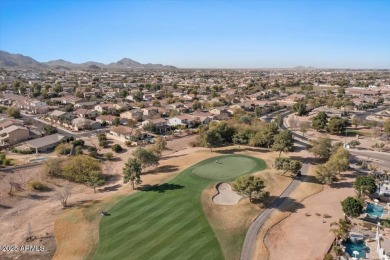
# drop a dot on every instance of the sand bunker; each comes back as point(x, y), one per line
point(225, 195)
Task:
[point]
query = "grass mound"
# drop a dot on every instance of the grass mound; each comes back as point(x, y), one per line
point(167, 221)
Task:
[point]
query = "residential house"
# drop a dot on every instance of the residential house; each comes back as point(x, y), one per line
point(109, 108)
point(159, 125)
point(181, 120)
point(13, 134)
point(124, 133)
point(45, 143)
point(151, 111)
point(203, 117)
point(61, 115)
point(68, 99)
point(87, 105)
point(86, 113)
point(134, 114)
point(79, 124)
point(121, 106)
point(108, 119)
point(7, 123)
point(220, 113)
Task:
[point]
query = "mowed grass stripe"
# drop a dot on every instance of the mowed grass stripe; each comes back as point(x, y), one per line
point(141, 207)
point(189, 242)
point(157, 230)
point(169, 224)
point(144, 212)
point(174, 238)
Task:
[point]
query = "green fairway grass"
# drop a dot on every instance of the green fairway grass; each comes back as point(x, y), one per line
point(167, 221)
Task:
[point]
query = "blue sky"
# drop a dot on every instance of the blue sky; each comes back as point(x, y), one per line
point(201, 34)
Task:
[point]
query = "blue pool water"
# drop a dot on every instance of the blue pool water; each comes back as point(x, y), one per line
point(360, 247)
point(374, 210)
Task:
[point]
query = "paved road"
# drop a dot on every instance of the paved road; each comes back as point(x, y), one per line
point(251, 235)
point(380, 158)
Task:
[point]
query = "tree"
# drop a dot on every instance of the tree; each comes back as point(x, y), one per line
point(63, 197)
point(258, 111)
point(354, 143)
point(160, 145)
point(300, 108)
point(49, 130)
point(53, 167)
point(355, 122)
point(116, 121)
point(320, 121)
point(339, 161)
point(80, 168)
point(352, 207)
point(117, 148)
point(138, 96)
point(264, 135)
point(321, 147)
point(386, 126)
point(293, 122)
point(92, 151)
point(283, 142)
point(102, 137)
point(132, 172)
point(4, 161)
point(365, 185)
point(340, 230)
point(337, 125)
point(212, 138)
point(146, 157)
point(95, 180)
point(326, 174)
point(303, 127)
point(13, 112)
point(288, 165)
point(247, 185)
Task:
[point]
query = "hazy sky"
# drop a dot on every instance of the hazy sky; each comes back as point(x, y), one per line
point(201, 34)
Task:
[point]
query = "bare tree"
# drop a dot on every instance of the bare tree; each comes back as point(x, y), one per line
point(303, 127)
point(293, 122)
point(63, 196)
point(13, 185)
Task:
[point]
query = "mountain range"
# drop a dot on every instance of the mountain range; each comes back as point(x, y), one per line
point(18, 61)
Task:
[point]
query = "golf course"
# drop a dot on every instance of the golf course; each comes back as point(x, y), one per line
point(167, 221)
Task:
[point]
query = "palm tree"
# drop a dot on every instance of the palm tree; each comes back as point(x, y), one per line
point(340, 230)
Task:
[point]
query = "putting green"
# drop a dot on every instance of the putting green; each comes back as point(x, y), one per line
point(167, 221)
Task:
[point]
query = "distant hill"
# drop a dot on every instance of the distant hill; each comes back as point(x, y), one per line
point(18, 61)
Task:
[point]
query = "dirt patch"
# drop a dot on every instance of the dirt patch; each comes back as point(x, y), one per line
point(294, 237)
point(287, 208)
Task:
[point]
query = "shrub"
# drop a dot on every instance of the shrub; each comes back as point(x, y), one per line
point(328, 257)
point(63, 149)
point(103, 143)
point(109, 156)
point(37, 186)
point(117, 148)
point(78, 142)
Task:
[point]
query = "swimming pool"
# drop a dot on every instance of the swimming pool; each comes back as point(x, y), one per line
point(359, 247)
point(374, 210)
